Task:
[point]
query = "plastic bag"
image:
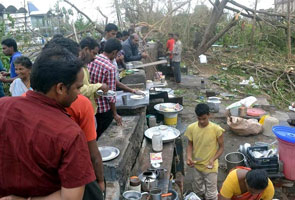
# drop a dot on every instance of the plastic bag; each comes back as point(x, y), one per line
point(244, 127)
point(191, 196)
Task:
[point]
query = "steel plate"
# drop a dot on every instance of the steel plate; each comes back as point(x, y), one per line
point(108, 153)
point(168, 133)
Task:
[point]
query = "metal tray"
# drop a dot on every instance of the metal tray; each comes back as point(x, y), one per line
point(108, 153)
point(168, 133)
point(167, 105)
point(110, 93)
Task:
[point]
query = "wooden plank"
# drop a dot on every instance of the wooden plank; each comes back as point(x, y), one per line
point(143, 162)
point(150, 64)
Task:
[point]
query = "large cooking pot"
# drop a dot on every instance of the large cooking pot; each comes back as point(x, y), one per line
point(133, 195)
point(148, 180)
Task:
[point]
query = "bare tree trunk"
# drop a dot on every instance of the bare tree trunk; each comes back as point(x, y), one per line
point(253, 28)
point(289, 31)
point(209, 32)
point(118, 12)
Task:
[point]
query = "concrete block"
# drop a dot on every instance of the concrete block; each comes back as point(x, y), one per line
point(137, 77)
point(127, 139)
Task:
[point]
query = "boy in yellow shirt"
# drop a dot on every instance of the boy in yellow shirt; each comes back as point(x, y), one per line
point(205, 145)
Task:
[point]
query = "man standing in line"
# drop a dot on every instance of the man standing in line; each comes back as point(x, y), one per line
point(102, 70)
point(81, 110)
point(176, 59)
point(43, 153)
point(110, 32)
point(9, 48)
point(169, 47)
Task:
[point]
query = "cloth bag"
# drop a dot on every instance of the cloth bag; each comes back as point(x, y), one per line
point(244, 127)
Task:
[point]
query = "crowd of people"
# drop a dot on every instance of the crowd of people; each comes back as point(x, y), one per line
point(50, 127)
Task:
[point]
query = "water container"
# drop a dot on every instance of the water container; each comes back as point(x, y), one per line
point(157, 142)
point(269, 122)
point(286, 138)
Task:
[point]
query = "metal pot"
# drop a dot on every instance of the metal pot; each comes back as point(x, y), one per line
point(148, 180)
point(133, 195)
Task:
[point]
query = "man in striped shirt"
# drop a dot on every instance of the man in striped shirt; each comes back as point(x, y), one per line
point(102, 70)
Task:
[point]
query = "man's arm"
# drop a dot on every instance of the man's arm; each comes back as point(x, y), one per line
point(117, 117)
point(97, 163)
point(63, 194)
point(124, 87)
point(219, 152)
point(189, 152)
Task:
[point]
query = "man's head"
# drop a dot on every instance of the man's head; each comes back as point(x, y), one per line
point(125, 35)
point(110, 31)
point(69, 44)
point(23, 67)
point(170, 35)
point(176, 36)
point(112, 47)
point(9, 46)
point(89, 49)
point(57, 73)
point(256, 181)
point(134, 38)
point(202, 112)
point(119, 35)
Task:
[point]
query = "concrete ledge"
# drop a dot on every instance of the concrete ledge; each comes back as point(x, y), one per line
point(128, 140)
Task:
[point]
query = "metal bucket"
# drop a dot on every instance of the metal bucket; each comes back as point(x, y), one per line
point(234, 159)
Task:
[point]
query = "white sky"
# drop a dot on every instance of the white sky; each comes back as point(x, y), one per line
point(89, 6)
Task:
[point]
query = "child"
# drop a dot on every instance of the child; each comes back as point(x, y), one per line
point(205, 145)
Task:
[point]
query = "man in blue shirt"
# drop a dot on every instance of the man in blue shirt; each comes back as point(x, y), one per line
point(9, 48)
point(2, 69)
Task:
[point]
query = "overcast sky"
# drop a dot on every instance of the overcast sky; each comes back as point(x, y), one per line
point(89, 6)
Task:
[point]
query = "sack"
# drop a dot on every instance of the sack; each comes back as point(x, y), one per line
point(244, 127)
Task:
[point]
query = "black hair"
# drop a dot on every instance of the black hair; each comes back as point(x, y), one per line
point(176, 34)
point(111, 27)
point(69, 44)
point(170, 34)
point(202, 109)
point(54, 65)
point(119, 35)
point(24, 61)
point(9, 42)
point(58, 35)
point(89, 42)
point(257, 179)
point(125, 33)
point(112, 45)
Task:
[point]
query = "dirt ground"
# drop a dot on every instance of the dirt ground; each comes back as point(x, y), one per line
point(189, 89)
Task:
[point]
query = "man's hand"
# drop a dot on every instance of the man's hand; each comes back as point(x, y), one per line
point(104, 88)
point(101, 185)
point(190, 162)
point(138, 92)
point(4, 73)
point(210, 164)
point(144, 55)
point(2, 78)
point(118, 119)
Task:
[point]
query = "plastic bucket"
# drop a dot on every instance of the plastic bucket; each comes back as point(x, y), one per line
point(234, 159)
point(287, 152)
point(170, 120)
